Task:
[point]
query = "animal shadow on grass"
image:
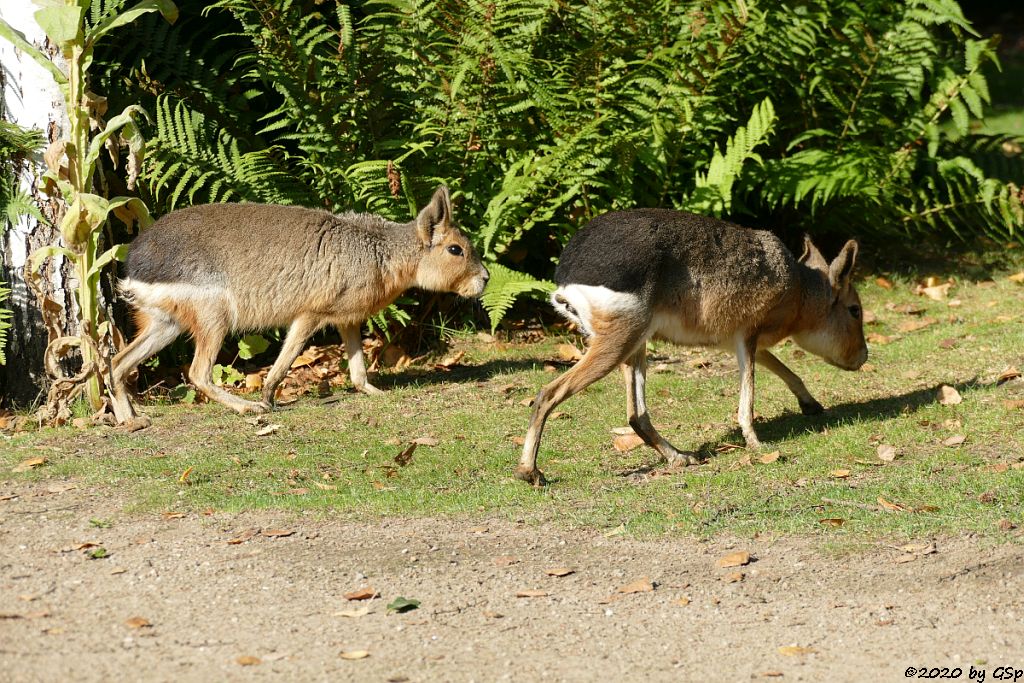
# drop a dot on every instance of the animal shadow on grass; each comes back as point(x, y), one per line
point(790, 424)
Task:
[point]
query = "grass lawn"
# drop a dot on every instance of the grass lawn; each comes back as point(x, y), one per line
point(337, 456)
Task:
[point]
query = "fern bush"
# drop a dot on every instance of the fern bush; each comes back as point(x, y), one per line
point(851, 116)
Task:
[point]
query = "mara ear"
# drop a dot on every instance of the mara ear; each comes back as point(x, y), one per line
point(435, 217)
point(812, 257)
point(840, 270)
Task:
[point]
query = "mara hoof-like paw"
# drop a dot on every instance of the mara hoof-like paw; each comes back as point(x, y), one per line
point(532, 477)
point(682, 458)
point(253, 408)
point(811, 407)
point(369, 389)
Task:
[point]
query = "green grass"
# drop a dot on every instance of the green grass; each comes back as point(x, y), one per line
point(342, 453)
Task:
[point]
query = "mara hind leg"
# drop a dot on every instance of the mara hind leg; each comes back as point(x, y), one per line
point(156, 330)
point(634, 371)
point(301, 329)
point(208, 332)
point(808, 404)
point(610, 345)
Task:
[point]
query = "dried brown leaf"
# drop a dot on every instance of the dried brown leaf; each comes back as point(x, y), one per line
point(352, 655)
point(737, 559)
point(682, 602)
point(278, 533)
point(1017, 277)
point(248, 660)
point(364, 593)
point(505, 561)
point(426, 441)
point(954, 441)
point(243, 537)
point(1006, 375)
point(1014, 405)
point(568, 352)
point(832, 521)
point(405, 457)
point(268, 430)
point(948, 396)
point(626, 442)
point(769, 458)
point(795, 650)
point(840, 474)
point(29, 464)
point(531, 593)
point(887, 453)
point(641, 585)
point(560, 571)
point(138, 622)
point(883, 283)
point(890, 506)
point(908, 326)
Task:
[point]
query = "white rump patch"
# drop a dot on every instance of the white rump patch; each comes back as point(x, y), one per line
point(145, 295)
point(578, 303)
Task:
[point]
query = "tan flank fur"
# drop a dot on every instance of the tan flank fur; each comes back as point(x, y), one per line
point(630, 276)
point(221, 268)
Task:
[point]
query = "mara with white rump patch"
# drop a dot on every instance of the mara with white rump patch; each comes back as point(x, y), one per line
point(629, 276)
point(220, 268)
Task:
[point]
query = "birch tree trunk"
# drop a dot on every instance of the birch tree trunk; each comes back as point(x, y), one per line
point(32, 100)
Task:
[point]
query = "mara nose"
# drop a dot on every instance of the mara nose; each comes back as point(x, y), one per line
point(486, 276)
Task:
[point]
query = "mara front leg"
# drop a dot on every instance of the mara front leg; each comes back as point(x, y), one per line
point(634, 371)
point(356, 363)
point(808, 404)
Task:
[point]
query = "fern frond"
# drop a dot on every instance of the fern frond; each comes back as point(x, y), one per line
point(504, 287)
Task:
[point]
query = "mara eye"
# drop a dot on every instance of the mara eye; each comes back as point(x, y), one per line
point(455, 250)
point(855, 311)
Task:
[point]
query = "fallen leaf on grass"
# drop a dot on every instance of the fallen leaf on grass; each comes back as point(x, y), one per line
point(1008, 374)
point(1006, 525)
point(426, 441)
point(769, 458)
point(518, 440)
point(954, 441)
point(268, 430)
point(1017, 277)
point(914, 325)
point(531, 593)
point(626, 442)
point(832, 521)
point(934, 292)
point(173, 515)
point(405, 457)
point(737, 559)
point(183, 479)
point(364, 593)
point(840, 474)
point(622, 430)
point(948, 396)
point(560, 571)
point(278, 533)
point(450, 361)
point(641, 585)
point(354, 654)
point(568, 352)
point(890, 506)
point(795, 650)
point(30, 464)
point(1014, 405)
point(879, 339)
point(248, 660)
point(138, 622)
point(887, 453)
point(478, 529)
point(903, 559)
point(883, 283)
point(734, 577)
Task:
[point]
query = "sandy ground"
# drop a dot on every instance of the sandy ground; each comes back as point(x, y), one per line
point(226, 597)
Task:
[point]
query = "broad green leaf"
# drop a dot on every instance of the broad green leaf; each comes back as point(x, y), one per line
point(130, 210)
point(62, 22)
point(252, 345)
point(17, 38)
point(43, 253)
point(125, 119)
point(113, 254)
point(401, 604)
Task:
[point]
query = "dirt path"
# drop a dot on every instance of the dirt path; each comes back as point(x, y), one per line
point(279, 599)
